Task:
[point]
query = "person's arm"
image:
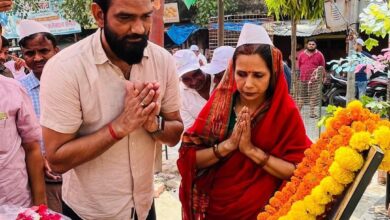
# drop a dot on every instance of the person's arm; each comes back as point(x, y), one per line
point(209, 156)
point(273, 165)
point(35, 171)
point(5, 5)
point(173, 128)
point(322, 60)
point(66, 151)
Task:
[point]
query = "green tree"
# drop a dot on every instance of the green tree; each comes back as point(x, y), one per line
point(295, 10)
point(21, 8)
point(78, 10)
point(208, 8)
point(375, 20)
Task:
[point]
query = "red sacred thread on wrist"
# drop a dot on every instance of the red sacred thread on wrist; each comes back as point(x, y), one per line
point(264, 162)
point(112, 132)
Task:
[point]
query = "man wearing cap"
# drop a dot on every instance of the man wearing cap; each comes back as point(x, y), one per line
point(202, 59)
point(361, 76)
point(38, 45)
point(106, 103)
point(221, 57)
point(195, 87)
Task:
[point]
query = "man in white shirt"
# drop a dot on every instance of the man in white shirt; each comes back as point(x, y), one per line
point(195, 86)
point(202, 59)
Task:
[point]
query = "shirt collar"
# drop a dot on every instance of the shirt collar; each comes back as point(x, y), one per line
point(100, 55)
point(32, 80)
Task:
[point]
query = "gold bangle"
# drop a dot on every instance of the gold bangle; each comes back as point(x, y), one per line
point(217, 153)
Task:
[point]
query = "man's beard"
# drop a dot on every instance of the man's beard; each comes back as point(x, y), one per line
point(130, 52)
point(311, 49)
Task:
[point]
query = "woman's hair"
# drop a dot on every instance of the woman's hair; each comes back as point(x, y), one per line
point(265, 52)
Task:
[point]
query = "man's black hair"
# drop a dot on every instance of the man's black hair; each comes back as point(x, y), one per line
point(103, 4)
point(5, 42)
point(50, 37)
point(312, 40)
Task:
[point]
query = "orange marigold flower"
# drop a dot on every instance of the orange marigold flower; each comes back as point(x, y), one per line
point(371, 125)
point(270, 209)
point(275, 202)
point(358, 126)
point(346, 131)
point(263, 216)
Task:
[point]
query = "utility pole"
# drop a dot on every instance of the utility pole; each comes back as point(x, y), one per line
point(353, 10)
point(221, 17)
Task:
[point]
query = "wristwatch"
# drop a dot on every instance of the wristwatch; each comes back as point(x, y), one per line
point(160, 125)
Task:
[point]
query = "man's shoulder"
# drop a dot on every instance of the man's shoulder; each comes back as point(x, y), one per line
point(75, 51)
point(158, 51)
point(10, 83)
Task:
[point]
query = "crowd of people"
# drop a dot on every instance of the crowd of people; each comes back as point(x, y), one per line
point(79, 127)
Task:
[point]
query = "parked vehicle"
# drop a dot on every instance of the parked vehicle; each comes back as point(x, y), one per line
point(335, 92)
point(377, 86)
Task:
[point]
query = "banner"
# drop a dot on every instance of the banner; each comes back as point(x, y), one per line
point(171, 13)
point(49, 14)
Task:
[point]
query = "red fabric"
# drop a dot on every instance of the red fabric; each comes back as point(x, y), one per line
point(238, 188)
point(308, 63)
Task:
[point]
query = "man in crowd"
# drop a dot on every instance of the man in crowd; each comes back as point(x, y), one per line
point(202, 59)
point(308, 61)
point(11, 65)
point(106, 102)
point(361, 76)
point(219, 63)
point(4, 58)
point(21, 174)
point(195, 87)
point(38, 45)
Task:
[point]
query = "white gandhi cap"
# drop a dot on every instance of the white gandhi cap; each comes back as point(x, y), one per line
point(253, 34)
point(220, 60)
point(30, 27)
point(186, 61)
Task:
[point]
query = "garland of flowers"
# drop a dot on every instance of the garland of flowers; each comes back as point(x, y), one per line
point(330, 164)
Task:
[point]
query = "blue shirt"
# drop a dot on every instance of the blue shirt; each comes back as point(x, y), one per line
point(31, 84)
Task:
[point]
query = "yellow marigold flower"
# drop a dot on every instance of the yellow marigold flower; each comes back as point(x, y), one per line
point(295, 215)
point(384, 123)
point(341, 175)
point(355, 109)
point(349, 159)
point(331, 186)
point(360, 141)
point(298, 206)
point(382, 137)
point(358, 126)
point(320, 196)
point(355, 105)
point(329, 122)
point(312, 207)
point(385, 165)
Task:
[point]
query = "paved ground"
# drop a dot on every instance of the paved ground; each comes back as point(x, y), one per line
point(168, 207)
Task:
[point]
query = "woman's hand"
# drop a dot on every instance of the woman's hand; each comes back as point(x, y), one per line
point(231, 144)
point(245, 144)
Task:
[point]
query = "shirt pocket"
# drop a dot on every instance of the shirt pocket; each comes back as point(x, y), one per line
point(8, 135)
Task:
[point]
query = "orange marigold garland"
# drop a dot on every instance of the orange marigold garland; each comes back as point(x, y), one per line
point(322, 174)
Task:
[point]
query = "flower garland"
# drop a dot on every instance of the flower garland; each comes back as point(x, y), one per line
point(330, 164)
